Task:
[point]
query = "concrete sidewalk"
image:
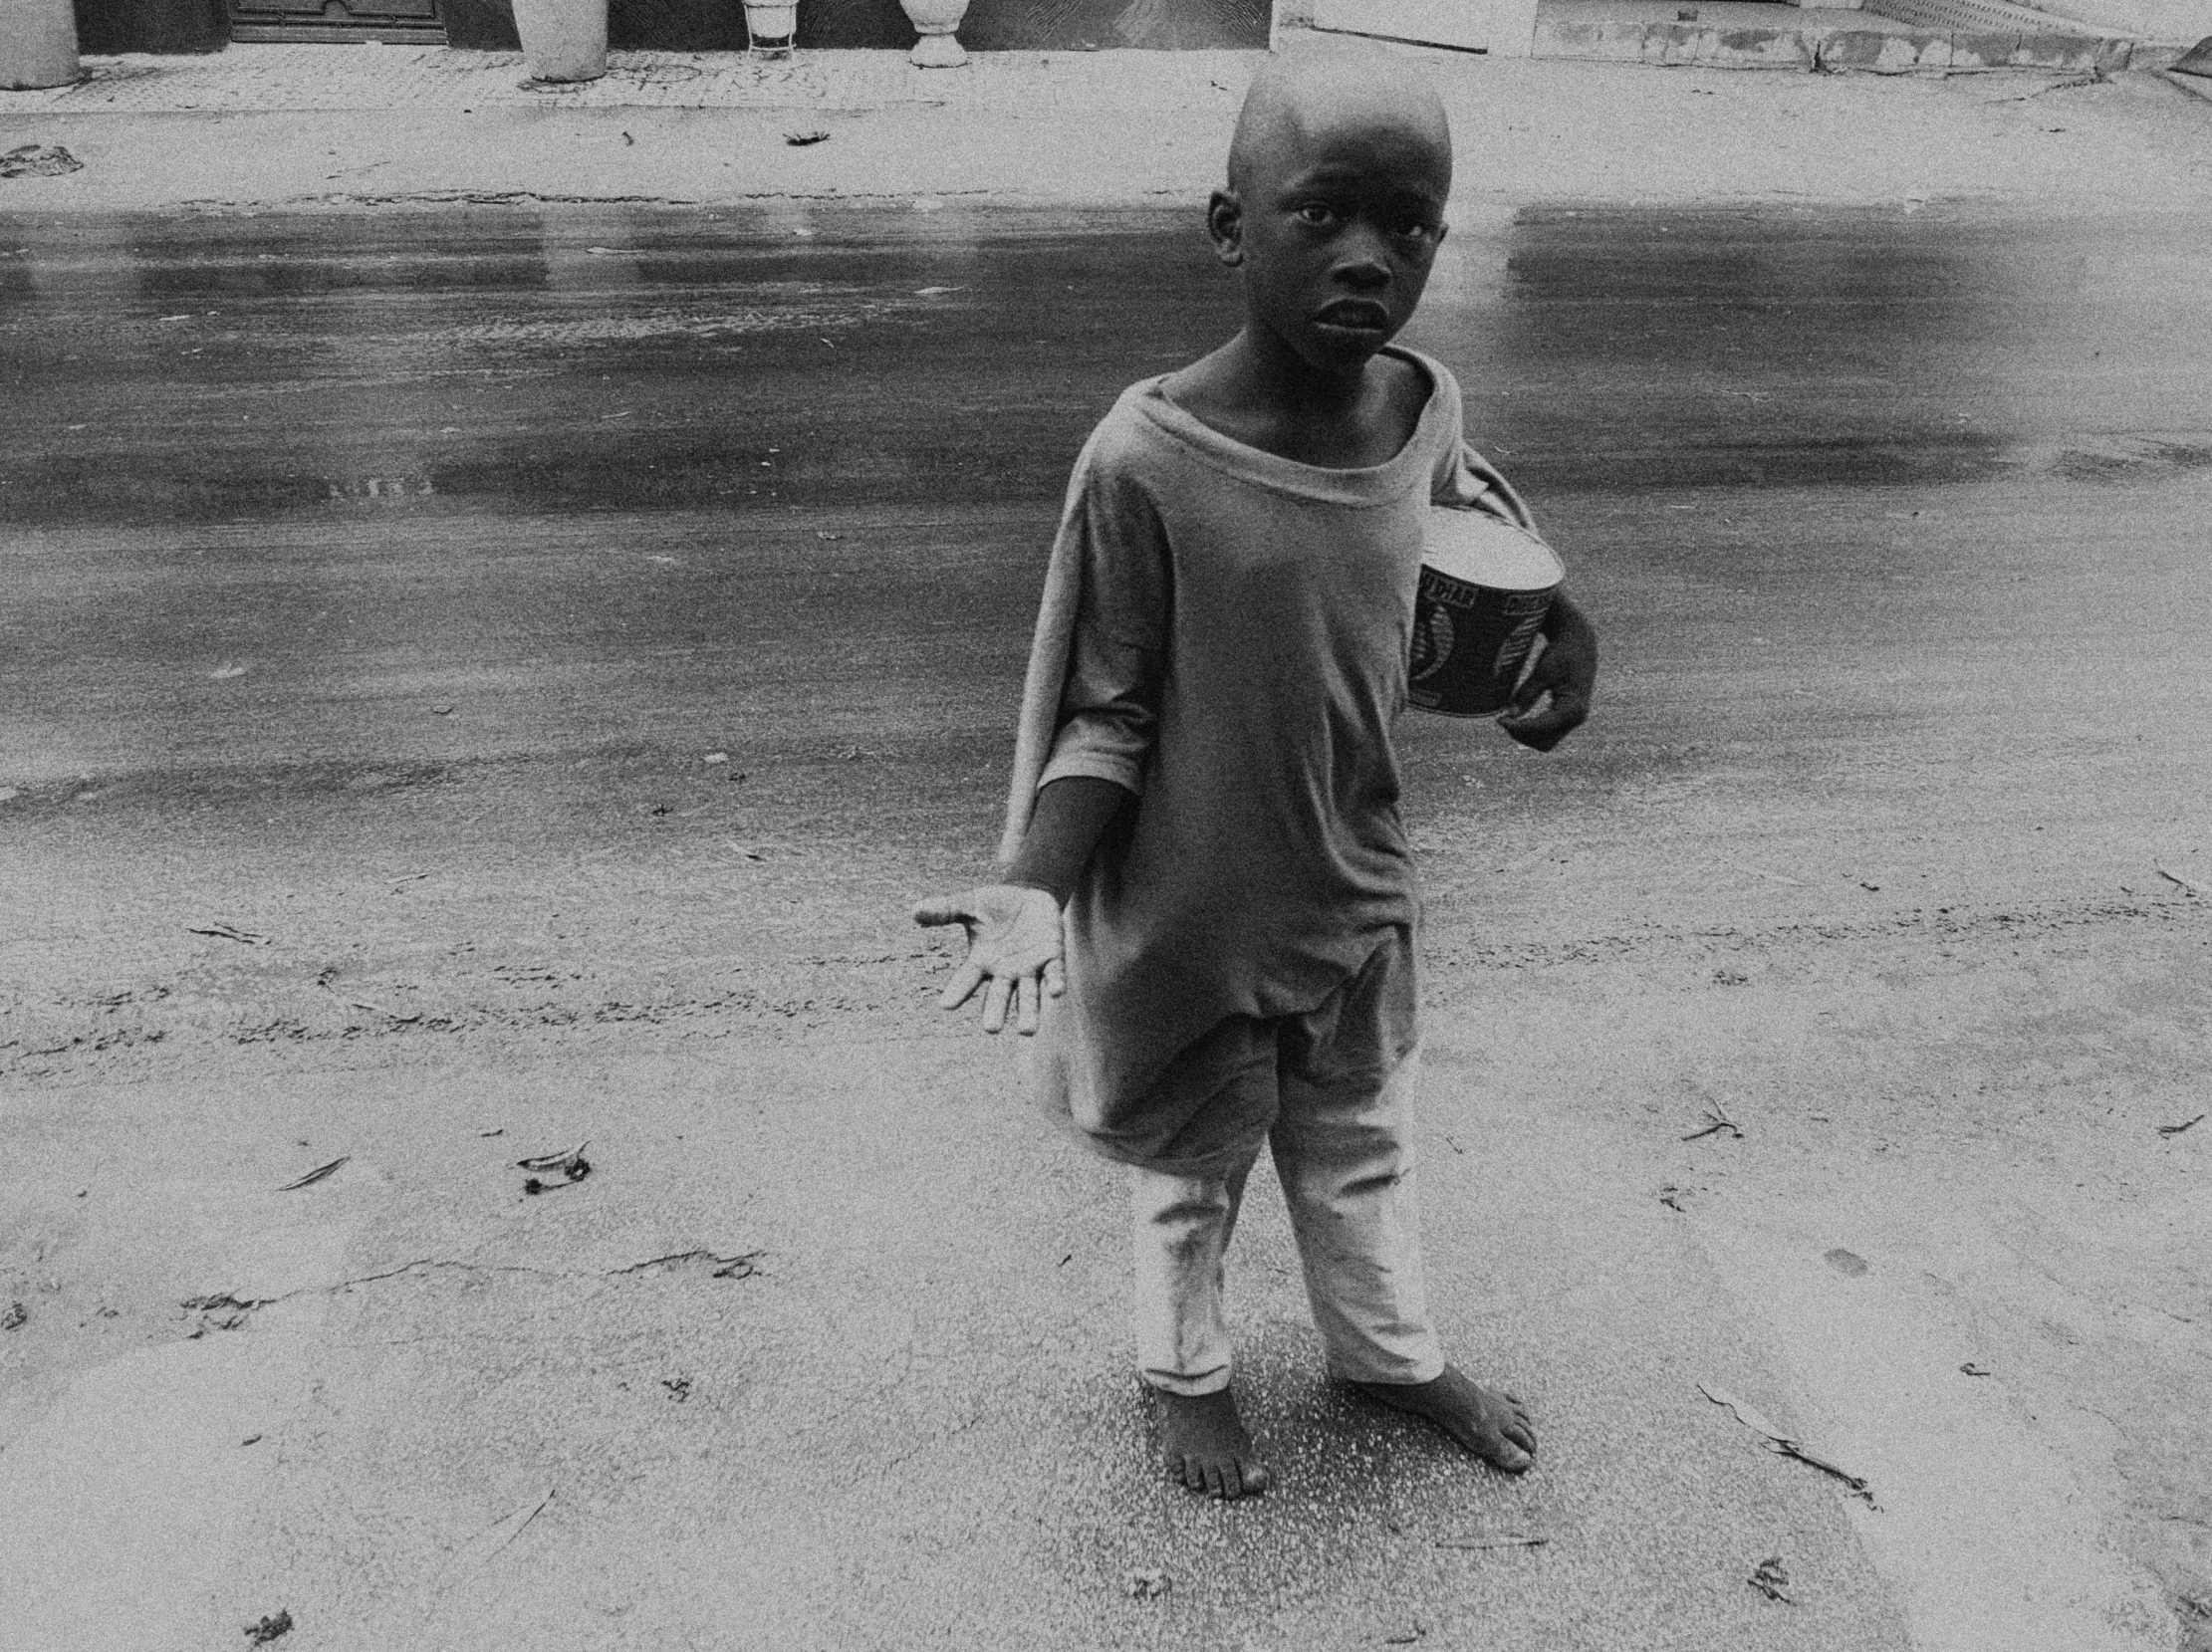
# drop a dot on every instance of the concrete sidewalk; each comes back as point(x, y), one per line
point(351, 126)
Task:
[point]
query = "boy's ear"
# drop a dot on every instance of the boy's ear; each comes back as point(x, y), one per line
point(1225, 223)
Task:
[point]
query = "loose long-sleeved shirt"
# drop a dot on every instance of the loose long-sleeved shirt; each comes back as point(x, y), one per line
point(1237, 658)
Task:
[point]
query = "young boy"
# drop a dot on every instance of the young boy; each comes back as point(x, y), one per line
point(1205, 863)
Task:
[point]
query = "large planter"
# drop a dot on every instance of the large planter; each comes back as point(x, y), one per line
point(935, 21)
point(38, 43)
point(771, 25)
point(563, 40)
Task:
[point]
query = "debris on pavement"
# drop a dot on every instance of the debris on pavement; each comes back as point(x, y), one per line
point(501, 1130)
point(317, 1174)
point(1719, 1120)
point(1972, 1368)
point(1787, 1445)
point(2177, 1129)
point(1672, 1196)
point(228, 932)
point(324, 982)
point(1772, 1579)
point(739, 1267)
point(679, 1388)
point(1848, 1263)
point(268, 1630)
point(218, 1313)
point(38, 161)
point(1146, 1584)
point(800, 139)
point(2189, 884)
point(1413, 1632)
point(1534, 1540)
point(572, 1165)
point(14, 1316)
point(485, 1546)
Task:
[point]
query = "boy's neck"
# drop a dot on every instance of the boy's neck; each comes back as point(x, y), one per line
point(1256, 391)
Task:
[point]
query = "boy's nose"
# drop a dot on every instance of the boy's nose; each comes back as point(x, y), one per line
point(1362, 263)
point(1362, 271)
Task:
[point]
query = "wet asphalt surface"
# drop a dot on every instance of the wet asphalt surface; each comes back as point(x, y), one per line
point(299, 509)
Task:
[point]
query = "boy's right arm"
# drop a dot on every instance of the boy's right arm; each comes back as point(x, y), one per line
point(1107, 717)
point(1014, 936)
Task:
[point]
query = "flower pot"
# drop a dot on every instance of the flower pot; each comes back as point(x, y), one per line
point(771, 25)
point(38, 43)
point(935, 21)
point(563, 40)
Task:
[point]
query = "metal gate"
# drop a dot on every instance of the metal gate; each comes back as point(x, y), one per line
point(394, 21)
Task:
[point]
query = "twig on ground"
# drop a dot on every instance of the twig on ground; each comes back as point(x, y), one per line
point(1533, 1541)
point(2177, 1129)
point(1720, 1121)
point(2193, 887)
point(317, 1174)
point(1788, 1445)
point(228, 932)
point(725, 1268)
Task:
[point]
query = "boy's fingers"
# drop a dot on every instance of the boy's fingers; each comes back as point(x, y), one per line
point(961, 986)
point(1056, 978)
point(941, 910)
point(1541, 731)
point(1025, 1005)
point(994, 1004)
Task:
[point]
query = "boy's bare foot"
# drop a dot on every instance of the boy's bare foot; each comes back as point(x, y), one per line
point(1488, 1422)
point(1205, 1446)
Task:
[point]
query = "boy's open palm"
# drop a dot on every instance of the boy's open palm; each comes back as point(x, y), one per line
point(1013, 945)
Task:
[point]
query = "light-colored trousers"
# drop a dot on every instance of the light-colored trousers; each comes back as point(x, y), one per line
point(1340, 1152)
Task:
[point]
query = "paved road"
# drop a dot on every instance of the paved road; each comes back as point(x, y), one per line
point(571, 638)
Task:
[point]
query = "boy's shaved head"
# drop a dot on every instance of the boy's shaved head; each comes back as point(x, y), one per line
point(1304, 93)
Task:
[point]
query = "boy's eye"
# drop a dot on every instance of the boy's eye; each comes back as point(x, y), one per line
point(1315, 214)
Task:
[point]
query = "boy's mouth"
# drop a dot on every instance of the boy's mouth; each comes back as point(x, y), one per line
point(1358, 314)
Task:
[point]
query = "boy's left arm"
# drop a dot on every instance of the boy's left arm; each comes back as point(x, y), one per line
point(1566, 669)
point(1565, 674)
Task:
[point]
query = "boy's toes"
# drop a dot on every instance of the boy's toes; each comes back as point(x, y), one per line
point(1207, 1448)
point(1512, 1451)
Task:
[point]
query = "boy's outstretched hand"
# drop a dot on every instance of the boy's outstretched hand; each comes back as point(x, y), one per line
point(1014, 944)
point(1566, 670)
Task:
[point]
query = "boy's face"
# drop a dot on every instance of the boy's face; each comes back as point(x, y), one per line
point(1336, 226)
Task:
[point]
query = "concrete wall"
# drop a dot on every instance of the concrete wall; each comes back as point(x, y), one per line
point(718, 25)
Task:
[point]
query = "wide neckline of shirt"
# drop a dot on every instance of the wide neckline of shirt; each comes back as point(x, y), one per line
point(1368, 485)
